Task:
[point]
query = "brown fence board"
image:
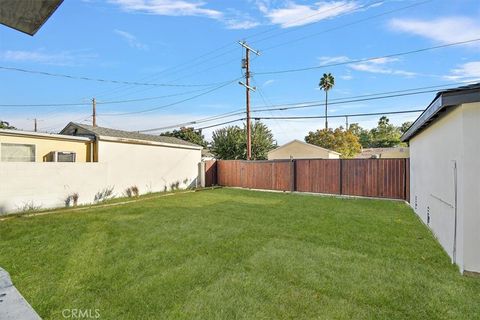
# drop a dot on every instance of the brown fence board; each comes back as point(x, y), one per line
point(384, 178)
point(210, 173)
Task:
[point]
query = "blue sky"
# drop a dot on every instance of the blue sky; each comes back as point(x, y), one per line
point(165, 41)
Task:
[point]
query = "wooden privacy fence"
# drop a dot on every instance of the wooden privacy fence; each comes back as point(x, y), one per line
point(383, 178)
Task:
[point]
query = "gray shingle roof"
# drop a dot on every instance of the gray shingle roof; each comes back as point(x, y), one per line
point(101, 131)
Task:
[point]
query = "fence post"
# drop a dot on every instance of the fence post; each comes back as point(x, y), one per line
point(405, 197)
point(341, 176)
point(293, 174)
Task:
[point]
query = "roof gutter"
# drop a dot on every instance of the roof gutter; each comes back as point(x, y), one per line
point(442, 101)
point(147, 142)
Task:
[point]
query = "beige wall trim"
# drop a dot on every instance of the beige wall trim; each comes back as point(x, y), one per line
point(18, 133)
point(146, 142)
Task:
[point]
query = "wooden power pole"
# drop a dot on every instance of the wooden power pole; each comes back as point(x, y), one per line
point(35, 124)
point(246, 66)
point(94, 112)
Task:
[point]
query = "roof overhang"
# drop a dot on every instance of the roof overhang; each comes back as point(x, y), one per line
point(38, 135)
point(27, 16)
point(442, 102)
point(147, 142)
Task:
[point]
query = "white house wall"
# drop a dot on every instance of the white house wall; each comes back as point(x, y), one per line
point(451, 139)
point(471, 186)
point(149, 167)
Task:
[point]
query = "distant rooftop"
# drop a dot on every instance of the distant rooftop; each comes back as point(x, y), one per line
point(108, 132)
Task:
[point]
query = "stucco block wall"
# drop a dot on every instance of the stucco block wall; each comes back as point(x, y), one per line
point(151, 168)
point(43, 146)
point(434, 152)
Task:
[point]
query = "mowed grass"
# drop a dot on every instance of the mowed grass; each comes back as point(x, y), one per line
point(237, 254)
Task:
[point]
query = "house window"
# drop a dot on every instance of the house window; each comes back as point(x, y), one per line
point(14, 152)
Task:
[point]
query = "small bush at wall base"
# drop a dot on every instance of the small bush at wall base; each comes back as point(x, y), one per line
point(132, 192)
point(72, 199)
point(27, 207)
point(104, 195)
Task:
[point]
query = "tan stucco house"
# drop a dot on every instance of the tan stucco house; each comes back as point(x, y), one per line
point(297, 149)
point(24, 146)
point(445, 172)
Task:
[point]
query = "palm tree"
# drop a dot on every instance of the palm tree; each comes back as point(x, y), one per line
point(326, 83)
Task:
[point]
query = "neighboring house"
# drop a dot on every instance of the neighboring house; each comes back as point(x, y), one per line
point(445, 172)
point(297, 149)
point(383, 153)
point(142, 159)
point(23, 146)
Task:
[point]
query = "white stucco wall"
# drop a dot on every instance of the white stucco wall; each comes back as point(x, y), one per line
point(151, 168)
point(449, 140)
point(47, 184)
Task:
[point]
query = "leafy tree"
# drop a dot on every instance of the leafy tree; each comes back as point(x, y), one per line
point(188, 134)
point(262, 141)
point(364, 136)
point(230, 143)
point(326, 83)
point(340, 140)
point(6, 125)
point(404, 127)
point(385, 135)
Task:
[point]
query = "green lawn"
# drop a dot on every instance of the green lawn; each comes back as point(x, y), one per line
point(234, 254)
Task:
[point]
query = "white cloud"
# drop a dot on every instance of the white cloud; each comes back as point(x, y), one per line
point(168, 7)
point(469, 71)
point(444, 30)
point(232, 18)
point(63, 58)
point(268, 82)
point(131, 39)
point(294, 14)
point(380, 66)
point(332, 60)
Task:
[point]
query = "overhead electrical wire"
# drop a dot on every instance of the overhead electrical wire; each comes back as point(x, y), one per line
point(353, 115)
point(345, 25)
point(170, 104)
point(392, 55)
point(279, 32)
point(50, 74)
point(314, 103)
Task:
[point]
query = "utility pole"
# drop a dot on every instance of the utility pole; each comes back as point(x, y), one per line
point(94, 112)
point(246, 66)
point(35, 124)
point(346, 122)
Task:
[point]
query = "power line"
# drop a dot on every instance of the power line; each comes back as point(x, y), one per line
point(341, 115)
point(369, 59)
point(103, 102)
point(314, 103)
point(170, 104)
point(347, 24)
point(105, 80)
point(316, 117)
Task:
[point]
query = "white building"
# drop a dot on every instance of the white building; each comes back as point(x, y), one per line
point(103, 159)
point(445, 172)
point(297, 149)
